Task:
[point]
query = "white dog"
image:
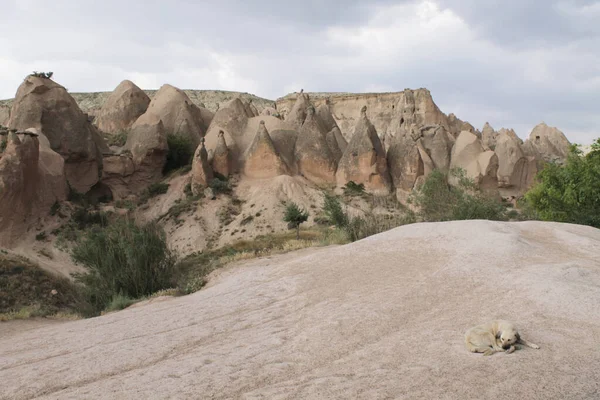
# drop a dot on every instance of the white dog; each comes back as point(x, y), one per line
point(493, 337)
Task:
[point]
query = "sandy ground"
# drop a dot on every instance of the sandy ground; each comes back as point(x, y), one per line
point(382, 318)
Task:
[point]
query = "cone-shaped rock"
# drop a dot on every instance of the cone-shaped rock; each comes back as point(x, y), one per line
point(46, 106)
point(364, 160)
point(221, 158)
point(122, 108)
point(32, 179)
point(325, 116)
point(550, 143)
point(299, 111)
point(512, 162)
point(336, 142)
point(262, 159)
point(178, 113)
point(405, 164)
point(488, 136)
point(315, 161)
point(202, 174)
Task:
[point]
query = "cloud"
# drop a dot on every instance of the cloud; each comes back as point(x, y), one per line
point(513, 63)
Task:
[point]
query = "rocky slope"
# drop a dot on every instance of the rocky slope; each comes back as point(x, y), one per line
point(379, 318)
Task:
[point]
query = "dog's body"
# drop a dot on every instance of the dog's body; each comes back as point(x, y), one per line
point(493, 337)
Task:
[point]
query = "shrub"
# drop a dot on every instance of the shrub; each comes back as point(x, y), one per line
point(371, 224)
point(438, 200)
point(123, 258)
point(153, 190)
point(569, 193)
point(41, 236)
point(55, 208)
point(84, 218)
point(333, 211)
point(220, 186)
point(354, 189)
point(119, 302)
point(117, 139)
point(294, 217)
point(181, 152)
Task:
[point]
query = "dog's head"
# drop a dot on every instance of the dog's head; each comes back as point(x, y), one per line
point(507, 338)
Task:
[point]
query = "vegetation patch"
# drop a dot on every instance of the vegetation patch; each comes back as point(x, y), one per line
point(180, 154)
point(27, 291)
point(354, 189)
point(117, 139)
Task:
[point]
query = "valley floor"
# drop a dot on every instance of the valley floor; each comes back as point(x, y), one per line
point(380, 318)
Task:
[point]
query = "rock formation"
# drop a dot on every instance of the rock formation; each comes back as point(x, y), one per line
point(32, 179)
point(550, 143)
point(456, 126)
point(405, 165)
point(221, 158)
point(392, 113)
point(479, 164)
point(513, 165)
point(46, 106)
point(122, 108)
point(488, 137)
point(437, 144)
point(143, 160)
point(202, 174)
point(262, 159)
point(4, 115)
point(179, 115)
point(364, 160)
point(299, 111)
point(315, 161)
point(337, 144)
point(325, 116)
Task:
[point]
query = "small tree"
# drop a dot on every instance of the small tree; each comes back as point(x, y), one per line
point(294, 217)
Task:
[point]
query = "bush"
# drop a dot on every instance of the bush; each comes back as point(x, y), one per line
point(294, 217)
point(334, 213)
point(354, 189)
point(123, 258)
point(117, 139)
point(220, 186)
point(371, 224)
point(84, 218)
point(119, 302)
point(153, 190)
point(438, 200)
point(181, 152)
point(569, 193)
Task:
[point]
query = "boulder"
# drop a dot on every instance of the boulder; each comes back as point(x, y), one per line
point(479, 164)
point(180, 116)
point(202, 173)
point(122, 108)
point(262, 159)
point(32, 179)
point(364, 160)
point(44, 105)
point(314, 158)
point(550, 143)
point(221, 157)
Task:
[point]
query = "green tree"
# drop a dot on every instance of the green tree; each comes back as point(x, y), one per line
point(569, 193)
point(334, 212)
point(294, 217)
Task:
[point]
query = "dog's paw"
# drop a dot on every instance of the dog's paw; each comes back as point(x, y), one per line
point(535, 346)
point(510, 350)
point(488, 352)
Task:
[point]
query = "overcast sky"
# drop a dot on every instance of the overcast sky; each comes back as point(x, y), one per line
point(514, 63)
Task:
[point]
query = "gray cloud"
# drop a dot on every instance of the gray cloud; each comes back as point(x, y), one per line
point(512, 63)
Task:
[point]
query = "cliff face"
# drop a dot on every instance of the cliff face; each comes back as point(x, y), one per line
point(390, 113)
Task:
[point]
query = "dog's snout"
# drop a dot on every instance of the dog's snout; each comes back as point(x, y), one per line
point(506, 346)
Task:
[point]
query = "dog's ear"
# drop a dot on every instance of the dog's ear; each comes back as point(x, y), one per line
point(498, 334)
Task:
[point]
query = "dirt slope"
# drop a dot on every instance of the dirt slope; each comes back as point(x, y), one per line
point(380, 318)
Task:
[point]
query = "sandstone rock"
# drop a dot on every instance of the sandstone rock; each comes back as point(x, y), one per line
point(44, 105)
point(336, 142)
point(32, 178)
point(147, 146)
point(488, 136)
point(405, 164)
point(437, 144)
point(122, 108)
point(221, 159)
point(4, 115)
point(315, 161)
point(262, 159)
point(299, 111)
point(391, 113)
point(180, 116)
point(550, 143)
point(512, 163)
point(364, 160)
point(456, 125)
point(202, 174)
point(270, 111)
point(479, 164)
point(325, 116)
